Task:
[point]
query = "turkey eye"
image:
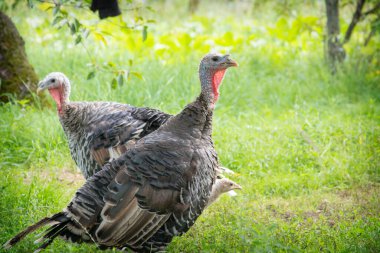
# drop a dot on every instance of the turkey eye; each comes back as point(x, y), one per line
point(215, 58)
point(53, 80)
point(230, 184)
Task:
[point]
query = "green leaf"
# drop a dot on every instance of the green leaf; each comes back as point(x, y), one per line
point(78, 39)
point(77, 24)
point(149, 8)
point(111, 64)
point(72, 28)
point(120, 79)
point(145, 33)
point(23, 102)
point(64, 12)
point(100, 37)
point(56, 10)
point(137, 74)
point(56, 20)
point(113, 83)
point(91, 75)
point(138, 18)
point(104, 32)
point(130, 62)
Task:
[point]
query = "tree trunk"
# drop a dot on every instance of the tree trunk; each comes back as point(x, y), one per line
point(17, 76)
point(335, 51)
point(355, 19)
point(193, 5)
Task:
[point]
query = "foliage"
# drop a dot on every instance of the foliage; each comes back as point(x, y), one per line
point(64, 14)
point(305, 145)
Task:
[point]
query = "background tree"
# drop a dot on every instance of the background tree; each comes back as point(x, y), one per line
point(193, 5)
point(17, 75)
point(335, 51)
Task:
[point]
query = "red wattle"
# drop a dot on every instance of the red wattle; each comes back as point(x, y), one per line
point(216, 80)
point(56, 94)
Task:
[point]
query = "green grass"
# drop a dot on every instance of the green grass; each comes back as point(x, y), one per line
point(305, 144)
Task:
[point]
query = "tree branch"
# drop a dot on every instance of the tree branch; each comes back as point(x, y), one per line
point(372, 11)
point(354, 21)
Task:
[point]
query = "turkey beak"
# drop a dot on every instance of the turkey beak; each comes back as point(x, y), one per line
point(238, 187)
point(229, 62)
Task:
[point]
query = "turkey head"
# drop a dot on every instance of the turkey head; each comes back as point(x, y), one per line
point(211, 73)
point(59, 88)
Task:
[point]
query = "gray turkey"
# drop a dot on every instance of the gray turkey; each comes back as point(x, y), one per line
point(156, 190)
point(98, 132)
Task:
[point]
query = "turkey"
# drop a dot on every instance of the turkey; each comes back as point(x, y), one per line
point(222, 185)
point(98, 132)
point(156, 190)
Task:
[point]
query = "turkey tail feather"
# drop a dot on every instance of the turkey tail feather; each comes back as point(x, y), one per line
point(59, 222)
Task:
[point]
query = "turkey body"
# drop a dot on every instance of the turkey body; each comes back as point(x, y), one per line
point(98, 132)
point(165, 180)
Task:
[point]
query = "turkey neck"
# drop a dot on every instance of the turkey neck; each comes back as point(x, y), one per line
point(210, 82)
point(197, 116)
point(61, 96)
point(69, 113)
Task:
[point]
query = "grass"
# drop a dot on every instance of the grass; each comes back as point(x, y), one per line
point(305, 144)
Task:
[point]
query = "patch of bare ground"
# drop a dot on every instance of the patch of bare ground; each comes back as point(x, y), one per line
point(363, 201)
